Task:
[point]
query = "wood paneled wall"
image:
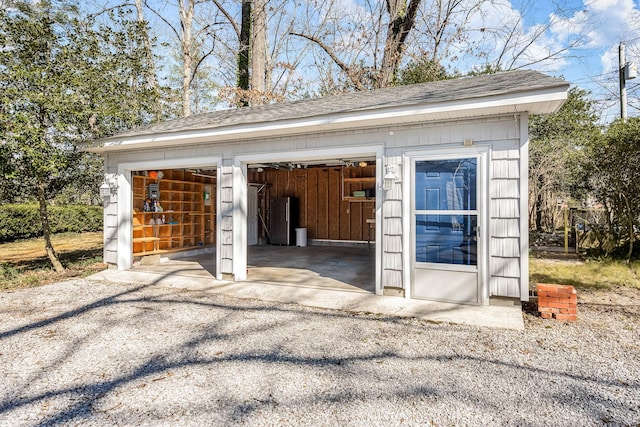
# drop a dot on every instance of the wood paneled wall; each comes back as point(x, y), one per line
point(319, 192)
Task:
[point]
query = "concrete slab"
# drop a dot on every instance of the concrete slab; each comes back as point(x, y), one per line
point(315, 287)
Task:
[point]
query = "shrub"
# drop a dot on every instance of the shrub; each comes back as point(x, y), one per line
point(23, 221)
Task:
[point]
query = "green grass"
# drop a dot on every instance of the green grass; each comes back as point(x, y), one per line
point(24, 263)
point(588, 274)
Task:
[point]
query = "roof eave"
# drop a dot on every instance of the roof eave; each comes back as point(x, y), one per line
point(542, 101)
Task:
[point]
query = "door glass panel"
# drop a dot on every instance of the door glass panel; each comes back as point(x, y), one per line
point(446, 184)
point(447, 239)
point(443, 186)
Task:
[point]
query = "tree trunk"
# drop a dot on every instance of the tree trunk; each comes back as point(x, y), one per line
point(186, 20)
point(401, 21)
point(632, 235)
point(152, 81)
point(46, 229)
point(244, 51)
point(259, 51)
point(539, 204)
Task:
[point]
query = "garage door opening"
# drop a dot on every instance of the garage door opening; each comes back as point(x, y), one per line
point(312, 223)
point(173, 213)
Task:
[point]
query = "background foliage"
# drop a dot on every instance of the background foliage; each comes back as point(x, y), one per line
point(21, 221)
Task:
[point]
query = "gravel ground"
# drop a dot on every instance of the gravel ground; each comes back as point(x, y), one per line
point(92, 353)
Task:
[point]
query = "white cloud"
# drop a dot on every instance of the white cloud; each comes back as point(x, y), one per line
point(603, 23)
point(500, 32)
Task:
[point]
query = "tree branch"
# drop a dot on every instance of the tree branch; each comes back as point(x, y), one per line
point(228, 16)
point(344, 67)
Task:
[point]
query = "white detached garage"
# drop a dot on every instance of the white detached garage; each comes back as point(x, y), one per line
point(434, 175)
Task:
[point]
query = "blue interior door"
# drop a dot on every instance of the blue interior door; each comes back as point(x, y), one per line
point(445, 229)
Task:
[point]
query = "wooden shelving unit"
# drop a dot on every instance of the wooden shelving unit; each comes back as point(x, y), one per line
point(349, 185)
point(183, 210)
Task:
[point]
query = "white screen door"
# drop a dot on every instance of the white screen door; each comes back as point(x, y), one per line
point(445, 211)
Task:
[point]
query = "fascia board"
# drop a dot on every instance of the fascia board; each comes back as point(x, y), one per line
point(543, 101)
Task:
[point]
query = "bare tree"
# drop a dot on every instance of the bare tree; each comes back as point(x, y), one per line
point(259, 46)
point(509, 44)
point(391, 23)
point(260, 72)
point(197, 41)
point(152, 81)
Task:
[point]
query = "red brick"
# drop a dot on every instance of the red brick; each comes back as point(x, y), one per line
point(546, 315)
point(572, 311)
point(566, 289)
point(545, 287)
point(545, 309)
point(561, 305)
point(566, 317)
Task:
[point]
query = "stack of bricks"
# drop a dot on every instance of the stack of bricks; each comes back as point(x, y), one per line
point(557, 301)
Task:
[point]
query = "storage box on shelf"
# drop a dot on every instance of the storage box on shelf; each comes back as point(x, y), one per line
point(179, 221)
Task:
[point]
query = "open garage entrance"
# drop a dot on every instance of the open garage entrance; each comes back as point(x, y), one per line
point(312, 223)
point(173, 213)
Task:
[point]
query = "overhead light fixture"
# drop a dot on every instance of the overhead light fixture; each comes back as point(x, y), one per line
point(363, 164)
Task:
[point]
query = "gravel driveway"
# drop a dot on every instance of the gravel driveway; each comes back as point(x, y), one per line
point(92, 353)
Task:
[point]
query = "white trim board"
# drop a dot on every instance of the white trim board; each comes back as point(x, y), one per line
point(538, 101)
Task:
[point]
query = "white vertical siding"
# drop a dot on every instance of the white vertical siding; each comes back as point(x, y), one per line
point(392, 257)
point(226, 213)
point(110, 225)
point(110, 252)
point(505, 210)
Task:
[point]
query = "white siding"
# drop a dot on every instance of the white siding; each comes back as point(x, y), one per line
point(226, 226)
point(111, 231)
point(392, 257)
point(501, 227)
point(505, 202)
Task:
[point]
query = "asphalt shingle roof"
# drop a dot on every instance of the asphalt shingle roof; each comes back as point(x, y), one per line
point(400, 96)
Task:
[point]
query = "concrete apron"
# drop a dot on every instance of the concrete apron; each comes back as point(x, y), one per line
point(279, 275)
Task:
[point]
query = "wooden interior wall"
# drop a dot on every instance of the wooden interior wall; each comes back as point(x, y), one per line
point(210, 210)
point(319, 191)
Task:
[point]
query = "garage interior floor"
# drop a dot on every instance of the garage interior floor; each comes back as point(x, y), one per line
point(319, 267)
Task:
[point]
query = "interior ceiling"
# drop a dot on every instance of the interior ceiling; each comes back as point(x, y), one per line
point(290, 165)
point(207, 173)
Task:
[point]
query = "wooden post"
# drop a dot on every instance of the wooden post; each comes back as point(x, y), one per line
point(566, 228)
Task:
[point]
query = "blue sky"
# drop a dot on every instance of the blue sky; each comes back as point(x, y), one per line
point(596, 27)
point(602, 25)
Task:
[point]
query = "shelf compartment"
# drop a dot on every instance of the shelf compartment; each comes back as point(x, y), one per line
point(182, 202)
point(359, 199)
point(364, 180)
